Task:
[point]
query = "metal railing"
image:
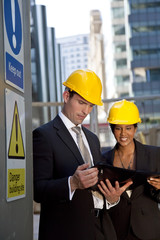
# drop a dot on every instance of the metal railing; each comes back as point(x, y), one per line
point(149, 129)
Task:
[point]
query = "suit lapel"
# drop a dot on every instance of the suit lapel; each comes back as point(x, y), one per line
point(141, 164)
point(66, 137)
point(142, 161)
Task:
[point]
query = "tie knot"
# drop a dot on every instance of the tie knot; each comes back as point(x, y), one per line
point(77, 130)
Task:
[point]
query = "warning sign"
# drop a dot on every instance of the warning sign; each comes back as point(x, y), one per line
point(16, 148)
point(16, 182)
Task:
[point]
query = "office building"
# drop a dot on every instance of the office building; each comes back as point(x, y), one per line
point(74, 53)
point(144, 50)
point(117, 69)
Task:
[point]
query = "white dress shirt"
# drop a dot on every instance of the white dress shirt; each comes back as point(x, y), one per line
point(98, 203)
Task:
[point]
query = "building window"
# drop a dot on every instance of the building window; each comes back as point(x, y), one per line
point(85, 40)
point(121, 63)
point(154, 75)
point(85, 48)
point(119, 47)
point(122, 79)
point(119, 30)
point(118, 12)
point(123, 95)
point(144, 52)
point(146, 29)
point(145, 5)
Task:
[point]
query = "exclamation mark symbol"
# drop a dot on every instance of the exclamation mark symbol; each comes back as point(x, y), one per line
point(16, 119)
point(13, 22)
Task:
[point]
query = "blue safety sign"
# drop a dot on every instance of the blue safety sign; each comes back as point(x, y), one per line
point(13, 39)
point(13, 24)
point(14, 70)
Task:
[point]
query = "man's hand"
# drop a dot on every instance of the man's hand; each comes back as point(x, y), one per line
point(112, 194)
point(155, 182)
point(84, 177)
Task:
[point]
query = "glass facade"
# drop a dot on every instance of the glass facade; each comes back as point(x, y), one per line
point(46, 82)
point(144, 22)
point(144, 5)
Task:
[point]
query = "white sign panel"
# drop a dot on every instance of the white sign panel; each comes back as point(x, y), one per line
point(15, 146)
point(13, 43)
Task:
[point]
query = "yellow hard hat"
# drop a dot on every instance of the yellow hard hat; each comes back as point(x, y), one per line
point(124, 112)
point(87, 84)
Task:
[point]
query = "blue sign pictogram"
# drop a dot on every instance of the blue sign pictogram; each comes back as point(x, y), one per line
point(13, 24)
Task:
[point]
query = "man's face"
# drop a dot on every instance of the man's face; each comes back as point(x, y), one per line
point(76, 108)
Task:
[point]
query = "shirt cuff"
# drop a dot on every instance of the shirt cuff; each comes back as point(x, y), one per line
point(110, 205)
point(70, 193)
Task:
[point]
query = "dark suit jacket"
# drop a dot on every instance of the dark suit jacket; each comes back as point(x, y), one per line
point(56, 157)
point(140, 212)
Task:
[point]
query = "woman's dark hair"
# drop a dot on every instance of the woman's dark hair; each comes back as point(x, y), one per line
point(112, 126)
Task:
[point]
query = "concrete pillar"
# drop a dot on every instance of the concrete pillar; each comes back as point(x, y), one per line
point(16, 204)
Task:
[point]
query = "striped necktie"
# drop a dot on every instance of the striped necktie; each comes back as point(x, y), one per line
point(82, 147)
point(85, 154)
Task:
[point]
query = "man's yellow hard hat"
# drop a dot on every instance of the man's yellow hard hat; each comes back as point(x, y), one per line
point(124, 112)
point(87, 84)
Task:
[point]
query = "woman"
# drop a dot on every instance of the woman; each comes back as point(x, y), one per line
point(137, 215)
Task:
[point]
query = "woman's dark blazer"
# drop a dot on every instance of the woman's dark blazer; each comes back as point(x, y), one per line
point(140, 212)
point(56, 157)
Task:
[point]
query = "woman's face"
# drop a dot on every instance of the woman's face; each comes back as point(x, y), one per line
point(124, 134)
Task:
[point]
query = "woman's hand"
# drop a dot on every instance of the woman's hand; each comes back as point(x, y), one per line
point(112, 194)
point(155, 182)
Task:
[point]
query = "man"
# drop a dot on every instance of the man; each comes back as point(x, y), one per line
point(62, 180)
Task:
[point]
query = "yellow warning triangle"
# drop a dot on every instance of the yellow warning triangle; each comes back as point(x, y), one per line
point(16, 147)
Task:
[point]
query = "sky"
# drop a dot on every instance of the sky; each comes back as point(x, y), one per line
point(70, 17)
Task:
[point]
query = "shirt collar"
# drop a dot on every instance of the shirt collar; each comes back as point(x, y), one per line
point(67, 122)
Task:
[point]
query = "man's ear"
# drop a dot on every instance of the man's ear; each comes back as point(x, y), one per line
point(65, 96)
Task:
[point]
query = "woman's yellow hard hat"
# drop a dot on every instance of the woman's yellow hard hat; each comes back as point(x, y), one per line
point(124, 112)
point(87, 84)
